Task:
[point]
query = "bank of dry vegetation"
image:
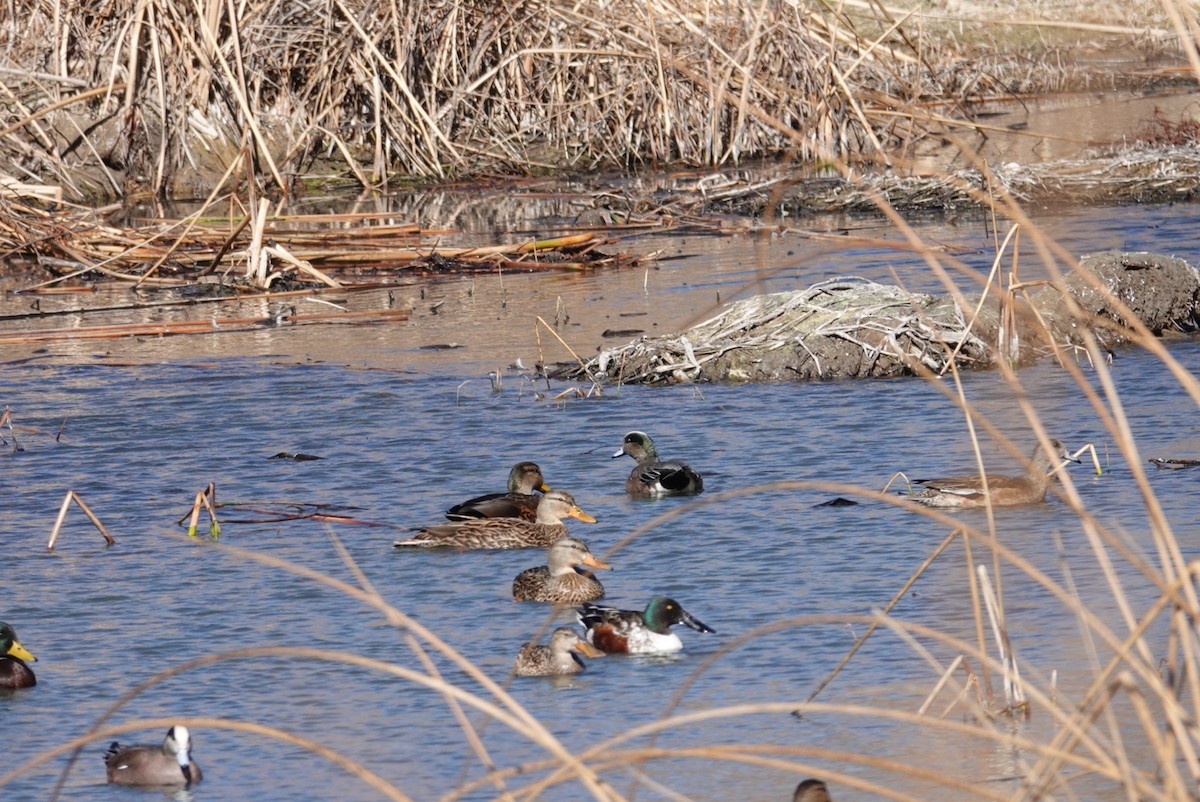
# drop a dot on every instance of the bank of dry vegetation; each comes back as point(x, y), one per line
point(120, 98)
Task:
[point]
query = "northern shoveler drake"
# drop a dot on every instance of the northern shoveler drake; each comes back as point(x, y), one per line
point(638, 632)
point(505, 533)
point(519, 502)
point(653, 477)
point(13, 671)
point(537, 660)
point(1002, 491)
point(811, 790)
point(168, 764)
point(558, 581)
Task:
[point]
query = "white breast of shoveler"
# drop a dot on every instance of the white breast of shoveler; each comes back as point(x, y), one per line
point(645, 641)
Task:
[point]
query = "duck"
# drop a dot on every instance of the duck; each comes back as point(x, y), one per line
point(519, 502)
point(967, 492)
point(811, 790)
point(168, 764)
point(653, 477)
point(505, 533)
point(556, 659)
point(638, 632)
point(558, 581)
point(14, 673)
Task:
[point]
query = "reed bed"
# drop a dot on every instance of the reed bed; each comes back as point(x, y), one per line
point(261, 250)
point(128, 97)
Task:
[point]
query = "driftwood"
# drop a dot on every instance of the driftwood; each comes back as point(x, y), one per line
point(852, 328)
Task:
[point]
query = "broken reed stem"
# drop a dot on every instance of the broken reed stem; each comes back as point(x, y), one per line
point(941, 683)
point(595, 382)
point(62, 515)
point(205, 498)
point(1014, 693)
point(886, 609)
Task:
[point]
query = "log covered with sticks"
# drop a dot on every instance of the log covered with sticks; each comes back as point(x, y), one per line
point(853, 328)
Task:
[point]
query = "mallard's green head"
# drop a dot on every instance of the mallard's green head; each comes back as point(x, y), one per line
point(10, 646)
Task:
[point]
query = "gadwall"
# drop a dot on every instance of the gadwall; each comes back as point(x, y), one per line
point(13, 671)
point(653, 476)
point(169, 764)
point(558, 658)
point(1002, 491)
point(638, 632)
point(518, 502)
point(558, 581)
point(505, 533)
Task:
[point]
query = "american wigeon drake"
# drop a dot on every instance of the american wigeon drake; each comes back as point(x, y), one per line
point(505, 533)
point(1002, 491)
point(13, 671)
point(558, 581)
point(652, 476)
point(811, 790)
point(518, 502)
point(168, 764)
point(556, 659)
point(638, 632)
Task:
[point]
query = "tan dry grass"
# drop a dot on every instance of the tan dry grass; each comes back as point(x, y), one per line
point(165, 97)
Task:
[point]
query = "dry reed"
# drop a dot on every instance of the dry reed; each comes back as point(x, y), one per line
point(163, 97)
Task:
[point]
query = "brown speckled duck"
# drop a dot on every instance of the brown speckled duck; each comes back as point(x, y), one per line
point(169, 764)
point(965, 492)
point(519, 502)
point(558, 582)
point(13, 671)
point(556, 659)
point(505, 533)
point(653, 477)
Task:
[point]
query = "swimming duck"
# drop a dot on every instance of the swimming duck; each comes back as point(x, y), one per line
point(644, 632)
point(13, 671)
point(519, 502)
point(558, 582)
point(811, 790)
point(1004, 491)
point(505, 533)
point(169, 764)
point(536, 660)
point(653, 476)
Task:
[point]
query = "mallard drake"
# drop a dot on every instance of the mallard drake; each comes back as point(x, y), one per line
point(169, 764)
point(558, 582)
point(13, 671)
point(1002, 491)
point(638, 632)
point(536, 660)
point(505, 533)
point(519, 502)
point(653, 476)
point(811, 790)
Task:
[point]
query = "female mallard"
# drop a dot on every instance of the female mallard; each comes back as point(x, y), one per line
point(169, 764)
point(645, 632)
point(536, 660)
point(653, 476)
point(558, 582)
point(812, 791)
point(1002, 491)
point(13, 671)
point(505, 533)
point(519, 502)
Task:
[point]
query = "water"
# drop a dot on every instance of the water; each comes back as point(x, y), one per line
point(151, 422)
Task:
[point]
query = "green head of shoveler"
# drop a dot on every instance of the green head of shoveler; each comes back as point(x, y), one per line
point(661, 613)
